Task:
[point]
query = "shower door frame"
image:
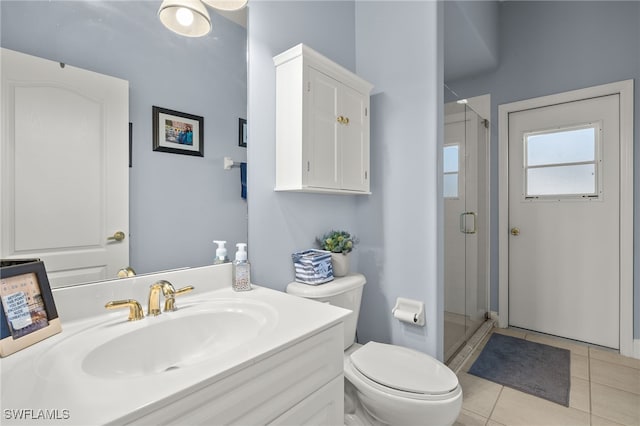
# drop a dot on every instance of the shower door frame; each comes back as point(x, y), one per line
point(483, 207)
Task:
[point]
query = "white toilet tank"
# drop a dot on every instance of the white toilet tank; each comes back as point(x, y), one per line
point(345, 292)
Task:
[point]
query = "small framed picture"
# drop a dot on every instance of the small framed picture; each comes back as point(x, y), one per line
point(28, 313)
point(177, 132)
point(242, 132)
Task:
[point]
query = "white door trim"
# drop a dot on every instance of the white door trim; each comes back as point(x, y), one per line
point(625, 90)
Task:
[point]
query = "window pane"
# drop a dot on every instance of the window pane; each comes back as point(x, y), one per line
point(566, 180)
point(451, 185)
point(569, 146)
point(451, 158)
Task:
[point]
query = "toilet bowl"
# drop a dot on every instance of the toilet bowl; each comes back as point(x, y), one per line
point(386, 384)
point(400, 386)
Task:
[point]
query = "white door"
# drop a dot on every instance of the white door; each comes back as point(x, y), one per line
point(65, 179)
point(564, 219)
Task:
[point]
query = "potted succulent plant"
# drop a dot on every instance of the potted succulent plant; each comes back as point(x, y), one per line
point(340, 244)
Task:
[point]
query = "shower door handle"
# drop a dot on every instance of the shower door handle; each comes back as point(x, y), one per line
point(463, 223)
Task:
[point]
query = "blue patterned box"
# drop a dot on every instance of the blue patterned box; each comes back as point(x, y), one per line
point(313, 266)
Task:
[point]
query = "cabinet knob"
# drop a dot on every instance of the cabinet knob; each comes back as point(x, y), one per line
point(343, 120)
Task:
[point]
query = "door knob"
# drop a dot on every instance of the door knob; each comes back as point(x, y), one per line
point(118, 236)
point(515, 231)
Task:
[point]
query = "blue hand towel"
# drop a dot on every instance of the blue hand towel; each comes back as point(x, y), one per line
point(243, 180)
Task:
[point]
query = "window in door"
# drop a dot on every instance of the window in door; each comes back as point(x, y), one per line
point(562, 163)
point(451, 170)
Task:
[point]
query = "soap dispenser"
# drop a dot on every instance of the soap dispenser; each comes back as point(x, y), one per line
point(241, 280)
point(221, 253)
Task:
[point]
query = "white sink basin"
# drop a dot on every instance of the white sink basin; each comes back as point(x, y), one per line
point(197, 332)
point(170, 345)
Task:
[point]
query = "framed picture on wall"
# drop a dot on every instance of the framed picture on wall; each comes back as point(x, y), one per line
point(177, 132)
point(28, 313)
point(242, 132)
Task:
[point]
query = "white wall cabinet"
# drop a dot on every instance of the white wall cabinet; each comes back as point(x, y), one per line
point(322, 125)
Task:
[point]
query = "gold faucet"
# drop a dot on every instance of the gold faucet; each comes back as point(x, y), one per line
point(135, 310)
point(169, 292)
point(170, 299)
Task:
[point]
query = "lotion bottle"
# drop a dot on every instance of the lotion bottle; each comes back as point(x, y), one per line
point(221, 253)
point(241, 280)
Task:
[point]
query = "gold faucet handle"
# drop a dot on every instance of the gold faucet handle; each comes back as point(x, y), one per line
point(170, 301)
point(184, 290)
point(135, 309)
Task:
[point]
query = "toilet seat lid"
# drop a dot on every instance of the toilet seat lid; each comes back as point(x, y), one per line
point(404, 369)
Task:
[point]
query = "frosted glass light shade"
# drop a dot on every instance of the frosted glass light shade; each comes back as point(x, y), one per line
point(226, 4)
point(185, 17)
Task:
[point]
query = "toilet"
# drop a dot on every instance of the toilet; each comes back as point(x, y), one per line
point(386, 384)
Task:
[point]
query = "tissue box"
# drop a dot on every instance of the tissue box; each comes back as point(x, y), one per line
point(313, 266)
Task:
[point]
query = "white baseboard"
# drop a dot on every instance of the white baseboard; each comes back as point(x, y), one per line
point(494, 315)
point(636, 348)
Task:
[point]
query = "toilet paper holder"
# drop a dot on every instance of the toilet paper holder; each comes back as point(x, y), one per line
point(409, 310)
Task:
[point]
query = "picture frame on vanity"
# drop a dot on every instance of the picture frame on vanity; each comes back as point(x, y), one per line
point(242, 132)
point(178, 132)
point(28, 313)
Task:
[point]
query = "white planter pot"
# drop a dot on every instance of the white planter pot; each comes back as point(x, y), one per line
point(340, 264)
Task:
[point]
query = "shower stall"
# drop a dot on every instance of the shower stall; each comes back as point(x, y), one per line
point(466, 224)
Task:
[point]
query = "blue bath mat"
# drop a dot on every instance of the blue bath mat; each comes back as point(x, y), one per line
point(534, 368)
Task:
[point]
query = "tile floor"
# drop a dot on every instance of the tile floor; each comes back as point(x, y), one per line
point(605, 390)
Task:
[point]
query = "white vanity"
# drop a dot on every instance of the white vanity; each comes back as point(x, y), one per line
point(250, 358)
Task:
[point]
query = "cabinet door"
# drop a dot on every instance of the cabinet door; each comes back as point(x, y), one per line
point(322, 133)
point(353, 139)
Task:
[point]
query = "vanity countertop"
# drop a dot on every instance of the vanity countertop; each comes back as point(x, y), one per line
point(51, 374)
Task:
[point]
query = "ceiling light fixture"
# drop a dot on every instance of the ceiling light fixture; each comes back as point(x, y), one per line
point(185, 17)
point(190, 17)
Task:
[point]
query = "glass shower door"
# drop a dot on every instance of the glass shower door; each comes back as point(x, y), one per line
point(466, 207)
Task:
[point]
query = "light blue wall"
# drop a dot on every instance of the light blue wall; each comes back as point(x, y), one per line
point(398, 49)
point(395, 45)
point(178, 203)
point(551, 47)
point(281, 223)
